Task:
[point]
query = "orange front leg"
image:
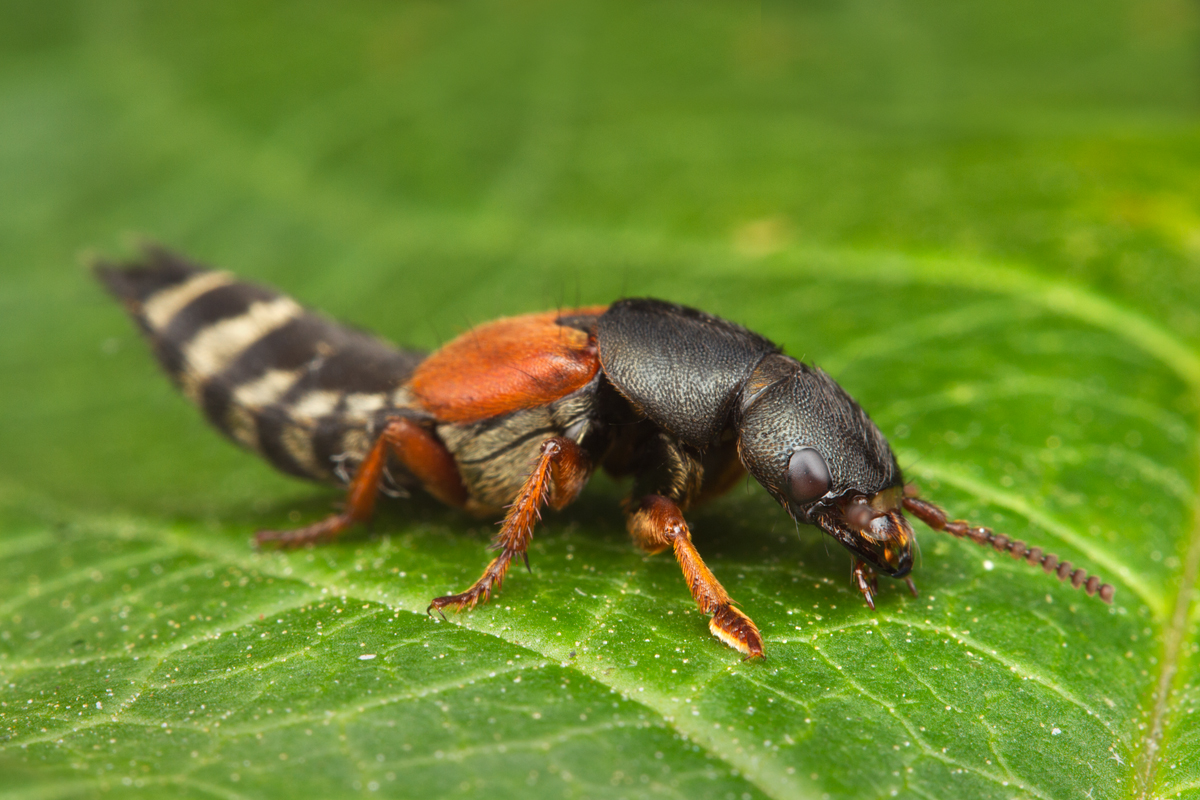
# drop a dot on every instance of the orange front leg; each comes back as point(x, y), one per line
point(656, 524)
point(422, 455)
point(561, 471)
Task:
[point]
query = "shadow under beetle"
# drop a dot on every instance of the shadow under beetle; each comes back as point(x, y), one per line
point(516, 414)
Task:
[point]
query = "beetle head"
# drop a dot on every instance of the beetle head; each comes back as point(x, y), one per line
point(819, 454)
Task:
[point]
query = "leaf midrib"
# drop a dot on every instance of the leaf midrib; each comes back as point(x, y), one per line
point(1173, 638)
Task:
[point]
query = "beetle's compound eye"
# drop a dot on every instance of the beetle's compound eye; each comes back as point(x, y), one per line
point(808, 476)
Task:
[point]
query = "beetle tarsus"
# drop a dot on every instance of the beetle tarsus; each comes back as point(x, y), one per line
point(738, 631)
point(325, 530)
point(867, 582)
point(460, 602)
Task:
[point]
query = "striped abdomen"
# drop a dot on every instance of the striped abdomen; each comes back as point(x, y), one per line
point(303, 391)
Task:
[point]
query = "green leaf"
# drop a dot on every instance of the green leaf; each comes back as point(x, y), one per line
point(981, 220)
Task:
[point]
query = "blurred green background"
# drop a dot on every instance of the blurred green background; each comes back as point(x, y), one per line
point(983, 218)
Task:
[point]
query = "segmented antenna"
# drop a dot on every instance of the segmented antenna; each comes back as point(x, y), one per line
point(935, 518)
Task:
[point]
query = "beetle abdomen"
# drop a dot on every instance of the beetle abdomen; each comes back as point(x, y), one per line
point(301, 390)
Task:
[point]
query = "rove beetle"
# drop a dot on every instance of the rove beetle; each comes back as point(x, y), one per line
point(516, 414)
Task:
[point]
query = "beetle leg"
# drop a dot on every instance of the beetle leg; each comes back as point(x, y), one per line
point(656, 524)
point(420, 452)
point(560, 473)
point(867, 581)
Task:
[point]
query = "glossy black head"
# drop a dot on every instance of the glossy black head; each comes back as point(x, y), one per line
point(804, 439)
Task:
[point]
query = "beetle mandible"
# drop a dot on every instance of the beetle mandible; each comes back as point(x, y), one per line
point(516, 414)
